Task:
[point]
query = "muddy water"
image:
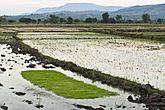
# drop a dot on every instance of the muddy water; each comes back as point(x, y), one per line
point(50, 101)
point(140, 61)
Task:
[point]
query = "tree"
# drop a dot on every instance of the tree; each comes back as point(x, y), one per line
point(129, 21)
point(88, 20)
point(45, 21)
point(2, 19)
point(63, 20)
point(11, 21)
point(27, 20)
point(94, 20)
point(54, 19)
point(105, 17)
point(160, 20)
point(91, 20)
point(146, 18)
point(76, 20)
point(119, 18)
point(112, 20)
point(69, 20)
point(39, 20)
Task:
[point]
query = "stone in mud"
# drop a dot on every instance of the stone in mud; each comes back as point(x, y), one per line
point(130, 98)
point(9, 60)
point(3, 107)
point(87, 107)
point(33, 59)
point(27, 61)
point(20, 93)
point(3, 69)
point(103, 106)
point(8, 48)
point(1, 85)
point(83, 106)
point(31, 66)
point(11, 88)
point(118, 106)
point(47, 66)
point(124, 106)
point(39, 63)
point(2, 55)
point(99, 108)
point(147, 86)
point(28, 101)
point(39, 106)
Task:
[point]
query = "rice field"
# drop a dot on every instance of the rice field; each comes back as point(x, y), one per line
point(6, 37)
point(149, 33)
point(137, 60)
point(12, 82)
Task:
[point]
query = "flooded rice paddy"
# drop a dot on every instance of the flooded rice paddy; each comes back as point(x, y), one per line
point(137, 60)
point(13, 83)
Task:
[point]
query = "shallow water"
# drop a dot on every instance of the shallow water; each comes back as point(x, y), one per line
point(50, 101)
point(137, 60)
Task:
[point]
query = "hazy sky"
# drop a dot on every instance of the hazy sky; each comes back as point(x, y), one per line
point(10, 7)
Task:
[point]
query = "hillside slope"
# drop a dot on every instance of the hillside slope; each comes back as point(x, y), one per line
point(78, 7)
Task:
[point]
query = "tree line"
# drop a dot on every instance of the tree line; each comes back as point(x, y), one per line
point(119, 19)
point(145, 18)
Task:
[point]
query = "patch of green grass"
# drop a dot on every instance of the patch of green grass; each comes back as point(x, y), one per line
point(7, 37)
point(64, 86)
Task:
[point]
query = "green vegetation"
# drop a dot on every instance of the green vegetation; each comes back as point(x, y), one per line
point(2, 19)
point(55, 19)
point(69, 20)
point(7, 37)
point(119, 18)
point(105, 17)
point(63, 85)
point(27, 20)
point(146, 18)
point(91, 20)
point(160, 20)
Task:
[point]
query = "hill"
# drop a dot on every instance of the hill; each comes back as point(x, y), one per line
point(76, 15)
point(135, 12)
point(85, 10)
point(78, 7)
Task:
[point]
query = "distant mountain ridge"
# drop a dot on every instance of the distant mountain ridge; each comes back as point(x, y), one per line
point(82, 15)
point(134, 12)
point(129, 13)
point(78, 7)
